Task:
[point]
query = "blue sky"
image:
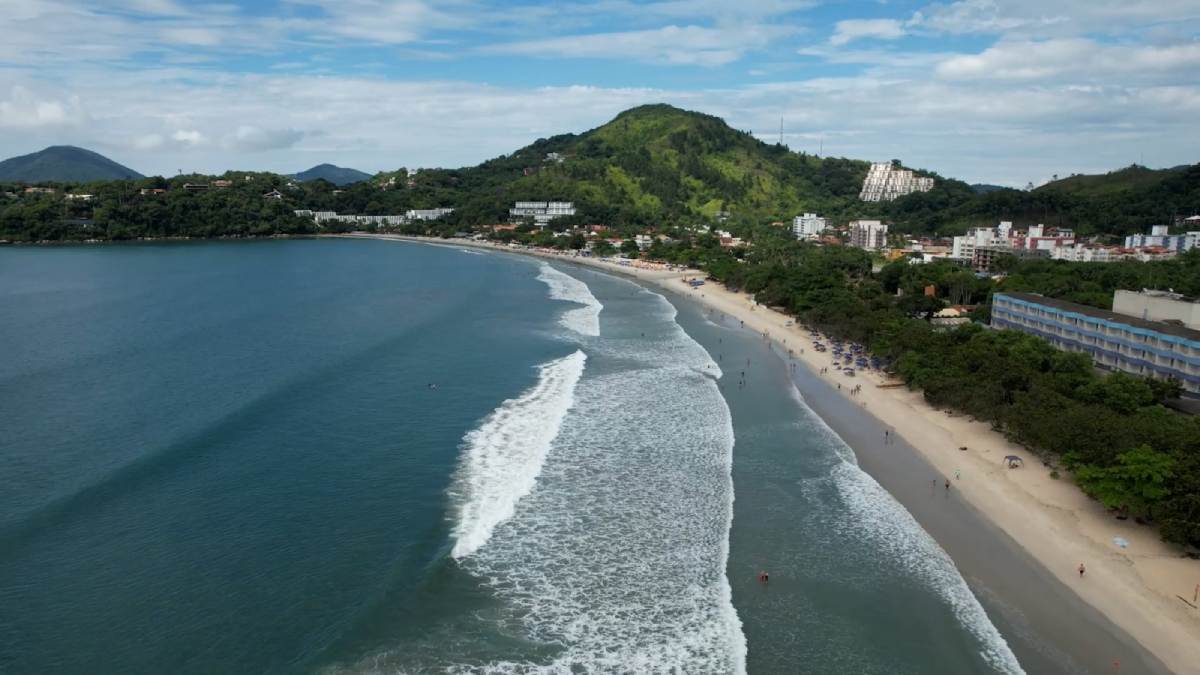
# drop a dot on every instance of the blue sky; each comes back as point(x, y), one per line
point(985, 90)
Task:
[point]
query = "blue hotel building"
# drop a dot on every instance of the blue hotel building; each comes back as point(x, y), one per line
point(1114, 341)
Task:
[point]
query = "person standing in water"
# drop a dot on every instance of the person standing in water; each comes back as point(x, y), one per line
point(763, 577)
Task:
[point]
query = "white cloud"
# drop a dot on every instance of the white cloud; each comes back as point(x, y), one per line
point(254, 139)
point(854, 29)
point(1052, 17)
point(692, 45)
point(1078, 59)
point(189, 138)
point(148, 142)
point(24, 109)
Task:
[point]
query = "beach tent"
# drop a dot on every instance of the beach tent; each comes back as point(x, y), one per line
point(1014, 461)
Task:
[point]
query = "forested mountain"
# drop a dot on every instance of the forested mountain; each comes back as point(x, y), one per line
point(1117, 203)
point(658, 164)
point(334, 174)
point(63, 163)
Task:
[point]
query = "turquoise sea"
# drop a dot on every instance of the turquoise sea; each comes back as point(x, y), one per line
point(352, 456)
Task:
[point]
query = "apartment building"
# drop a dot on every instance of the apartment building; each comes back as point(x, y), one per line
point(1114, 341)
point(885, 183)
point(868, 234)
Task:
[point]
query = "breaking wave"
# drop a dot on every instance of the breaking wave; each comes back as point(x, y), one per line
point(583, 320)
point(616, 561)
point(504, 455)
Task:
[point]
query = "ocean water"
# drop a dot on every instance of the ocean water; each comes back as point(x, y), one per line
point(350, 456)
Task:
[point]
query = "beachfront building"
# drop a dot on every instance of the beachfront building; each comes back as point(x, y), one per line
point(1114, 340)
point(808, 226)
point(542, 212)
point(885, 182)
point(322, 217)
point(868, 234)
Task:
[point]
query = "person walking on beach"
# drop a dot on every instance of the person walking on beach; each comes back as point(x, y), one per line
point(1082, 569)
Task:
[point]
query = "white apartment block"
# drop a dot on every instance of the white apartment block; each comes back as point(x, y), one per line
point(394, 220)
point(885, 183)
point(427, 214)
point(542, 212)
point(1086, 253)
point(809, 225)
point(1159, 237)
point(868, 234)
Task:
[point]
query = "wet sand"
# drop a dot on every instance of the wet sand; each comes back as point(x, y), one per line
point(1047, 625)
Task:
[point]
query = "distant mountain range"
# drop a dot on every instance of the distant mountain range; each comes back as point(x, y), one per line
point(334, 174)
point(65, 164)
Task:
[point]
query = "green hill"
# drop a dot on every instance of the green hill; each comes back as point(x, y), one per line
point(334, 174)
point(1115, 204)
point(63, 164)
point(656, 164)
point(1130, 179)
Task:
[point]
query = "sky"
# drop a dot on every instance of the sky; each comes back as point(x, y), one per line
point(991, 91)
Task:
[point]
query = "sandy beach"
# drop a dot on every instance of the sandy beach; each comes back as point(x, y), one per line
point(1144, 588)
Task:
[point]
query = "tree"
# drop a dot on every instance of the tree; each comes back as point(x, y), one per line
point(1135, 483)
point(630, 248)
point(603, 248)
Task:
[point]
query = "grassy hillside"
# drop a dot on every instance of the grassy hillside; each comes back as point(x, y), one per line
point(659, 164)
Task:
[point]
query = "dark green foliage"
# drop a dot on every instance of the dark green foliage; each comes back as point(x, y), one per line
point(1118, 203)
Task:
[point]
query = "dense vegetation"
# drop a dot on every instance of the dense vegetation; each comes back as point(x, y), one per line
point(652, 166)
point(1124, 447)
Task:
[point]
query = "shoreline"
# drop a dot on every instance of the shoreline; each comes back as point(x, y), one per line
point(1137, 588)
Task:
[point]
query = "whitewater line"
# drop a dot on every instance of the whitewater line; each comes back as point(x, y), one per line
point(583, 320)
point(505, 454)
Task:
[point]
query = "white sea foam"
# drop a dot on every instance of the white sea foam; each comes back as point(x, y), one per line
point(583, 320)
point(504, 455)
point(616, 561)
point(876, 516)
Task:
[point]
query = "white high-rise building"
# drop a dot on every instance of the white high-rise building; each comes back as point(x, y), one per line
point(808, 225)
point(885, 183)
point(868, 234)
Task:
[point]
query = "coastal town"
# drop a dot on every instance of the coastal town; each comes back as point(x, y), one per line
point(1033, 364)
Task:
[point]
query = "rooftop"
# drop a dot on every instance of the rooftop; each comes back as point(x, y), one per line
point(1157, 326)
